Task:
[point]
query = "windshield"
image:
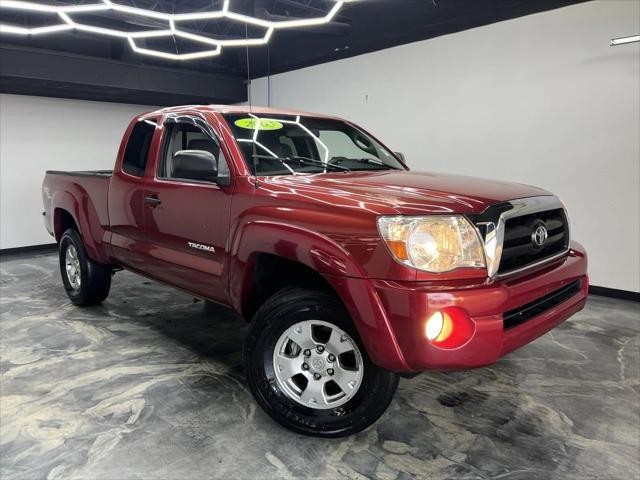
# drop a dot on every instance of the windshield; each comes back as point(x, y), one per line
point(292, 145)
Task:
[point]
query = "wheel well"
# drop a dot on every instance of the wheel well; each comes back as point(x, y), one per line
point(272, 273)
point(63, 221)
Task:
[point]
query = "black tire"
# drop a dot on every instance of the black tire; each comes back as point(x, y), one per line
point(283, 310)
point(95, 279)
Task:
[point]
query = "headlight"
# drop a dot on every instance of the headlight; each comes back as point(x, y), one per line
point(435, 243)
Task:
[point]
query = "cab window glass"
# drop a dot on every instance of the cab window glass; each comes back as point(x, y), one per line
point(136, 153)
point(182, 138)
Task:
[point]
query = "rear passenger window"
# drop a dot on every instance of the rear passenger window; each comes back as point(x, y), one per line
point(137, 151)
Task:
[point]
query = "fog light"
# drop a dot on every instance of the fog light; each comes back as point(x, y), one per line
point(439, 327)
point(449, 328)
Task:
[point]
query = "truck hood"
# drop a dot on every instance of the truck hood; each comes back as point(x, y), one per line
point(406, 192)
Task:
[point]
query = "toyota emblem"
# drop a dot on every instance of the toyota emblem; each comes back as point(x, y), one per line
point(539, 236)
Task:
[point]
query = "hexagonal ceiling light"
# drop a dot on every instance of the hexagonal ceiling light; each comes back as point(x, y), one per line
point(66, 14)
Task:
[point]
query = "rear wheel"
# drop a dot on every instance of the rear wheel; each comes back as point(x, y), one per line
point(307, 368)
point(85, 281)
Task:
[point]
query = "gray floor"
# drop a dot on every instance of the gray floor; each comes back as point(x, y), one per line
point(149, 385)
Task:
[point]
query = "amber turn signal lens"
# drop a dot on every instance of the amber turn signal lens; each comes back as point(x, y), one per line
point(398, 249)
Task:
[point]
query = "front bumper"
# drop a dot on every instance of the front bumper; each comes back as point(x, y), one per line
point(408, 305)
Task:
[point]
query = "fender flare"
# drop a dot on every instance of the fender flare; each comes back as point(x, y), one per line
point(337, 267)
point(65, 201)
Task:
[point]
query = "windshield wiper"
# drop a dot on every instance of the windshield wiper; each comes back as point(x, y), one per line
point(304, 160)
point(370, 161)
point(313, 161)
point(374, 161)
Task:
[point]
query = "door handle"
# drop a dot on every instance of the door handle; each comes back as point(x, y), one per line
point(152, 200)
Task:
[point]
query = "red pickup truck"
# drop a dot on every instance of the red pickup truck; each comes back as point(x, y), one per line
point(350, 268)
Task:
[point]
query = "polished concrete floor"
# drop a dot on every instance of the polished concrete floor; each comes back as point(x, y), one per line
point(149, 385)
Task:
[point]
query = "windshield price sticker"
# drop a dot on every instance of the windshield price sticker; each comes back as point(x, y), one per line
point(263, 124)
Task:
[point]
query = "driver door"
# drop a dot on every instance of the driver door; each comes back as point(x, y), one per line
point(186, 216)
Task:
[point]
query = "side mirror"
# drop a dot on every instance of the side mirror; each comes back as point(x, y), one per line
point(195, 165)
point(400, 155)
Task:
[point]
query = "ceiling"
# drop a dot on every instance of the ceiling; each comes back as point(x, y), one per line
point(94, 66)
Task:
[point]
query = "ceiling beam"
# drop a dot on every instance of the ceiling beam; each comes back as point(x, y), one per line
point(55, 74)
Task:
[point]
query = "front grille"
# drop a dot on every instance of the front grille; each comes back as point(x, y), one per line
point(518, 248)
point(519, 315)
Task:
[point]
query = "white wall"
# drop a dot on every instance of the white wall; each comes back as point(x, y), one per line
point(39, 134)
point(541, 100)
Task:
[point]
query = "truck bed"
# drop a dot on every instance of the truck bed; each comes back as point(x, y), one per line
point(82, 190)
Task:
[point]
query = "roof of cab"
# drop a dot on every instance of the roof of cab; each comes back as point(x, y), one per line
point(222, 109)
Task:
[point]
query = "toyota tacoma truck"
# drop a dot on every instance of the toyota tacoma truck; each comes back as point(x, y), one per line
point(350, 268)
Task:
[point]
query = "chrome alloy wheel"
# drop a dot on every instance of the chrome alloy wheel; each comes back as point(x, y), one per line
point(72, 264)
point(318, 365)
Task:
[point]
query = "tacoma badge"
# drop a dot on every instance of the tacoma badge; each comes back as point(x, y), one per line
point(199, 246)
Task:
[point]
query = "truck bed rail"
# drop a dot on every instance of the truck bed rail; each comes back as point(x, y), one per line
point(83, 173)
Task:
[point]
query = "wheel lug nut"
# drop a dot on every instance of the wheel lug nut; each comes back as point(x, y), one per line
point(305, 366)
point(332, 357)
point(307, 353)
point(317, 376)
point(330, 371)
point(320, 349)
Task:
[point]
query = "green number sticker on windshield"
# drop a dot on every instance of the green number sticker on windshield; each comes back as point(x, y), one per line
point(263, 124)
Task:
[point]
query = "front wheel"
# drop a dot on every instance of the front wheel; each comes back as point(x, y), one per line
point(307, 368)
point(85, 281)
